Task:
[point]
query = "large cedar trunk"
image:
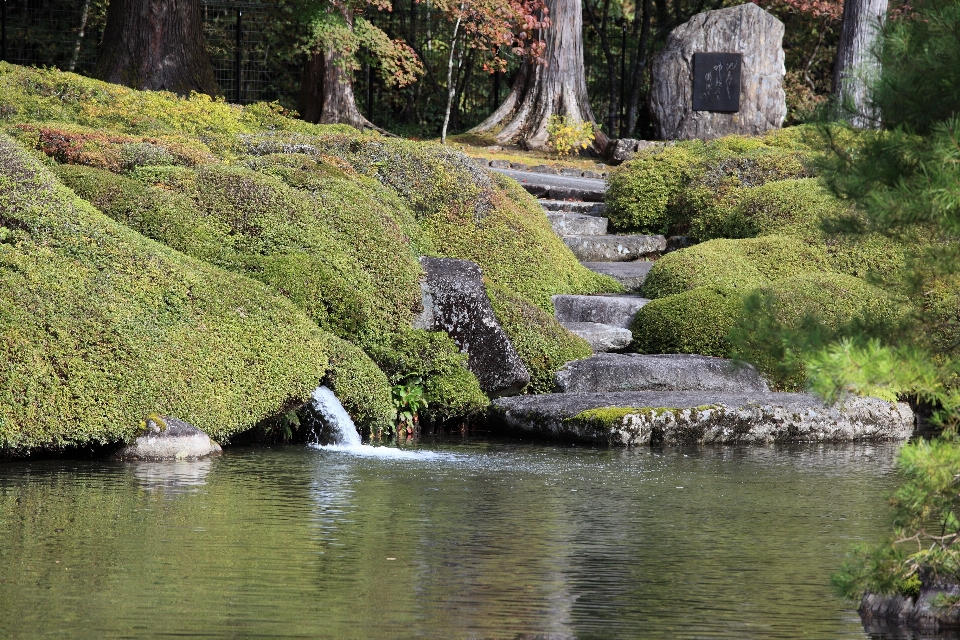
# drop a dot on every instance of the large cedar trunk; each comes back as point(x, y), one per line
point(556, 87)
point(156, 45)
point(856, 66)
point(326, 91)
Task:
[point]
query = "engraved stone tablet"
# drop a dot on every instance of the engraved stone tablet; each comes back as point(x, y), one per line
point(716, 82)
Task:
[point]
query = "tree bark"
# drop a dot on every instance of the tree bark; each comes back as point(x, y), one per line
point(556, 87)
point(156, 45)
point(326, 91)
point(641, 16)
point(856, 66)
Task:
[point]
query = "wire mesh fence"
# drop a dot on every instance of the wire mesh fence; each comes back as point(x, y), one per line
point(248, 43)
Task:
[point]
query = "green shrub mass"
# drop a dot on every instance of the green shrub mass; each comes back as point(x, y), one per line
point(305, 238)
point(102, 326)
point(694, 321)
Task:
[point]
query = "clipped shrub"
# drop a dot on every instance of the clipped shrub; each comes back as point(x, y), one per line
point(101, 327)
point(735, 265)
point(694, 321)
point(796, 315)
point(663, 190)
point(362, 388)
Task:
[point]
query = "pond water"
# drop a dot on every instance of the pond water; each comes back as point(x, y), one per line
point(454, 540)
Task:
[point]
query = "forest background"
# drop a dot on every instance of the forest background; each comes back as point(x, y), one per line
point(267, 45)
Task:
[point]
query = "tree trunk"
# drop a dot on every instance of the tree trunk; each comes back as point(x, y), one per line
point(326, 91)
point(641, 15)
point(856, 66)
point(156, 45)
point(558, 87)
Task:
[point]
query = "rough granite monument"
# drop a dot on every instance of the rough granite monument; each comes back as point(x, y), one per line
point(720, 73)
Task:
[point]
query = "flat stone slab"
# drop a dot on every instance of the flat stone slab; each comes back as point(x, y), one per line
point(613, 310)
point(555, 187)
point(630, 274)
point(167, 438)
point(568, 206)
point(702, 417)
point(606, 372)
point(614, 248)
point(577, 224)
point(602, 337)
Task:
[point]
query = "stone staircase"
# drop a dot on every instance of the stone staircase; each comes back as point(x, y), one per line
point(603, 321)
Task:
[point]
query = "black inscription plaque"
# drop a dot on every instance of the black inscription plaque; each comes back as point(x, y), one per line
point(716, 82)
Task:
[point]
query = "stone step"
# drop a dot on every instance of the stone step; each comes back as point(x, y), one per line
point(614, 248)
point(701, 417)
point(607, 372)
point(602, 337)
point(617, 311)
point(576, 224)
point(567, 206)
point(555, 187)
point(630, 274)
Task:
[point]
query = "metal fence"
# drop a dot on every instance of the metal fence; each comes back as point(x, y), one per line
point(243, 39)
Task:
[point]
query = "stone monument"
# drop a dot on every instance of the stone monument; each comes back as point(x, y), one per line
point(720, 73)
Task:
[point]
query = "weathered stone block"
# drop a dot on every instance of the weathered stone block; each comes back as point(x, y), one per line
point(169, 438)
point(746, 29)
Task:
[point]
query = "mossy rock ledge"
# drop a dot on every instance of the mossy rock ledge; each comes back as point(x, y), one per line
point(928, 614)
point(690, 417)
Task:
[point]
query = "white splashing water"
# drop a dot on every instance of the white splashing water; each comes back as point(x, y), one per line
point(346, 437)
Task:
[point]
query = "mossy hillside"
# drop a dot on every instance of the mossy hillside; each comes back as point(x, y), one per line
point(102, 326)
point(327, 245)
point(663, 189)
point(735, 265)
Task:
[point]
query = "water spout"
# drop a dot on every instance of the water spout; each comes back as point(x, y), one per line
point(335, 418)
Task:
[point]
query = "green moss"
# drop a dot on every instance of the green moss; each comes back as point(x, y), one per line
point(739, 265)
point(449, 388)
point(665, 189)
point(101, 327)
point(694, 321)
point(543, 344)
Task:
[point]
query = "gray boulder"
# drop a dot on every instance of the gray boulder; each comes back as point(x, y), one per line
point(746, 29)
point(623, 149)
point(166, 438)
point(455, 301)
point(606, 372)
point(702, 417)
point(897, 616)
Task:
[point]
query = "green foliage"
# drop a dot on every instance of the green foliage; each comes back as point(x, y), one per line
point(409, 399)
point(101, 326)
point(694, 321)
point(664, 189)
point(795, 316)
point(566, 135)
point(739, 265)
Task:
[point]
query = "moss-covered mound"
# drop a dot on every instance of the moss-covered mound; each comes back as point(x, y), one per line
point(102, 326)
point(663, 189)
point(694, 321)
point(735, 265)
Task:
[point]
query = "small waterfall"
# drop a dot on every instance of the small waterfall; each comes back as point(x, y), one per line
point(336, 418)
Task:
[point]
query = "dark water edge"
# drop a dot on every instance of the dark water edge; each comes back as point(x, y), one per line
point(465, 539)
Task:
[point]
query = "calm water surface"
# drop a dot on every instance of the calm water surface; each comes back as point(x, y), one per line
point(466, 540)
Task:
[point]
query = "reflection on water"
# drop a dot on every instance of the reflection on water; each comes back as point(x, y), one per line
point(477, 540)
point(172, 478)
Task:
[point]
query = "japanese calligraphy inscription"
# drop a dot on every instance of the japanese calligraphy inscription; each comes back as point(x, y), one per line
point(716, 82)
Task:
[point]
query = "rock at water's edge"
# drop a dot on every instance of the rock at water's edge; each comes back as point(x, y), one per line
point(607, 372)
point(746, 29)
point(169, 438)
point(902, 616)
point(455, 301)
point(702, 417)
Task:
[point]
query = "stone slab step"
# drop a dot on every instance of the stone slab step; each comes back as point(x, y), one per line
point(630, 274)
point(555, 187)
point(577, 224)
point(617, 311)
point(701, 417)
point(606, 372)
point(602, 337)
point(614, 248)
point(567, 206)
